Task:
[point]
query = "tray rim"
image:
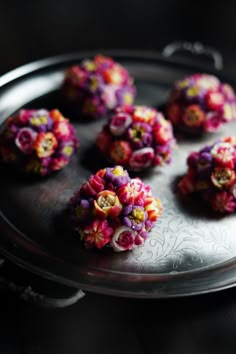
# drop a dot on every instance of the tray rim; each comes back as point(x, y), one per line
point(30, 68)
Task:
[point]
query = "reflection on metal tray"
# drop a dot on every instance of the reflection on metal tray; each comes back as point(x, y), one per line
point(190, 251)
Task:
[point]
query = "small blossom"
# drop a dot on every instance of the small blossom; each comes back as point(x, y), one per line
point(94, 185)
point(119, 123)
point(132, 193)
point(117, 176)
point(153, 207)
point(187, 183)
point(98, 233)
point(144, 114)
point(222, 177)
point(204, 163)
point(120, 151)
point(103, 141)
point(214, 100)
point(140, 135)
point(142, 158)
point(134, 217)
point(223, 154)
point(25, 139)
point(45, 144)
point(123, 239)
point(107, 204)
point(193, 116)
point(212, 122)
point(223, 202)
point(174, 112)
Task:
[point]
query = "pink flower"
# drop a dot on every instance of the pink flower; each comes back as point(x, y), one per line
point(98, 233)
point(144, 114)
point(132, 192)
point(142, 158)
point(103, 141)
point(25, 139)
point(62, 130)
point(123, 239)
point(214, 100)
point(223, 202)
point(187, 183)
point(94, 185)
point(223, 154)
point(58, 163)
point(212, 122)
point(119, 123)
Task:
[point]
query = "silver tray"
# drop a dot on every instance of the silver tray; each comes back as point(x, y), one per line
point(190, 251)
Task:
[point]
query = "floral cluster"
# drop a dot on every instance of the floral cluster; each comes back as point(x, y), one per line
point(113, 209)
point(212, 175)
point(137, 137)
point(201, 103)
point(97, 86)
point(37, 141)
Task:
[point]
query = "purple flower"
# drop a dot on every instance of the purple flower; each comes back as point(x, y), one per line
point(134, 217)
point(41, 120)
point(204, 163)
point(140, 135)
point(117, 176)
point(25, 139)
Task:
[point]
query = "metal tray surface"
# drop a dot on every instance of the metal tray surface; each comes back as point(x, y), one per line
point(190, 251)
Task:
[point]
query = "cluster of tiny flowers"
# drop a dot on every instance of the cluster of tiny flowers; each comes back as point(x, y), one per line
point(37, 141)
point(113, 209)
point(137, 137)
point(201, 103)
point(212, 175)
point(98, 86)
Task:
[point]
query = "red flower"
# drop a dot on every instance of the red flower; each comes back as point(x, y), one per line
point(98, 233)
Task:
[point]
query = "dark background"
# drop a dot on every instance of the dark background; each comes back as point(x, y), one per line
point(30, 30)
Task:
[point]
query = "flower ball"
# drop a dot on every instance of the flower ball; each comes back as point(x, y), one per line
point(112, 209)
point(37, 141)
point(201, 103)
point(97, 86)
point(211, 175)
point(136, 137)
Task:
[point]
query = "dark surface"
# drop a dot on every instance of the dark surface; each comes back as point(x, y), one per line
point(102, 324)
point(189, 251)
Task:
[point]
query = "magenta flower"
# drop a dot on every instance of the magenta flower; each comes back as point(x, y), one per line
point(119, 123)
point(123, 239)
point(98, 233)
point(142, 158)
point(223, 202)
point(25, 139)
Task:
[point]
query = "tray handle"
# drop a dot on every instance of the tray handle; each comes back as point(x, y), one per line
point(195, 49)
point(39, 298)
